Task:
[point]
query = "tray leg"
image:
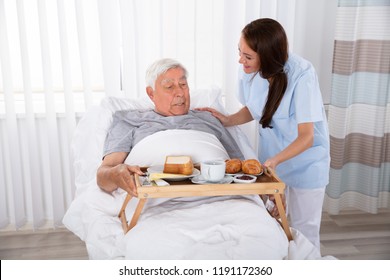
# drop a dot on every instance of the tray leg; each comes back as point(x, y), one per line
point(122, 212)
point(283, 217)
point(137, 213)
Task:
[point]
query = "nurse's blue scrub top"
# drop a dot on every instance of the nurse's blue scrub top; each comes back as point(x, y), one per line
point(301, 103)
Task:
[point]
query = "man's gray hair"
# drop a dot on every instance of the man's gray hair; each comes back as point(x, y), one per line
point(160, 67)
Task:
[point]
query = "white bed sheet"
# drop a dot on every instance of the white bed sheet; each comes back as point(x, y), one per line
point(228, 227)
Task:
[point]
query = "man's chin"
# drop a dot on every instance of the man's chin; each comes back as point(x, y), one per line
point(180, 109)
point(180, 112)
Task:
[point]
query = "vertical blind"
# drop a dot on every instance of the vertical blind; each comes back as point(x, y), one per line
point(60, 57)
point(50, 70)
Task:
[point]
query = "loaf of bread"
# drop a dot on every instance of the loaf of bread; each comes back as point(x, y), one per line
point(251, 166)
point(178, 165)
point(233, 165)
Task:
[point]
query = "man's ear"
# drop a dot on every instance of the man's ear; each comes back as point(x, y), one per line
point(150, 92)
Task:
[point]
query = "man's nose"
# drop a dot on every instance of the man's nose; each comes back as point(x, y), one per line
point(178, 91)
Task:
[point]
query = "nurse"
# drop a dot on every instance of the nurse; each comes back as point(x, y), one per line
point(280, 90)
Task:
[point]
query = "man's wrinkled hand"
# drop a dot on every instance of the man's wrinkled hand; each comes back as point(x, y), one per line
point(124, 176)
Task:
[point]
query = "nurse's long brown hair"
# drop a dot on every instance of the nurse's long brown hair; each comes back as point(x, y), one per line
point(268, 39)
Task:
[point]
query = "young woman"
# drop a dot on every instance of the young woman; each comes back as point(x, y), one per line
point(281, 91)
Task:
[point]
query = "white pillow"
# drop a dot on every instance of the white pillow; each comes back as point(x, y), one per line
point(152, 150)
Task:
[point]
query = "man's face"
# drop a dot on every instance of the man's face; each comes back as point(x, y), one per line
point(171, 96)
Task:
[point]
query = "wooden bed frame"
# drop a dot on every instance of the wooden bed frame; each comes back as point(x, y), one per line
point(266, 184)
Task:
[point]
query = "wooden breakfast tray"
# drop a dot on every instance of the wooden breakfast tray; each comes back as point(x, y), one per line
point(266, 184)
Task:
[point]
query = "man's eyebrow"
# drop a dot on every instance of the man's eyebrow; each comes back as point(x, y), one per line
point(172, 80)
point(166, 80)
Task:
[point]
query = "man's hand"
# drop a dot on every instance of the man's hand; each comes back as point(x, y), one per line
point(113, 174)
point(123, 176)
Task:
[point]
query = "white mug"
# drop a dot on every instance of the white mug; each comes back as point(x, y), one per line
point(213, 171)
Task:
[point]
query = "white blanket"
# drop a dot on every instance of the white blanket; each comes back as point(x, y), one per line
point(228, 227)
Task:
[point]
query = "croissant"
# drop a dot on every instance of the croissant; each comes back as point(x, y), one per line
point(251, 166)
point(233, 165)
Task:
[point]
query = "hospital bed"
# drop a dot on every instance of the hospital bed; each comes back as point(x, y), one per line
point(236, 226)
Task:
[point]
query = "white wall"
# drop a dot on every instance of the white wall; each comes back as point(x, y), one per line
point(314, 37)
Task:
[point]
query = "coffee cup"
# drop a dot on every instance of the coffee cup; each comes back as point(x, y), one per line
point(213, 171)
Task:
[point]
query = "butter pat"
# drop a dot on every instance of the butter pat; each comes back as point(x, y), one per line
point(161, 183)
point(156, 176)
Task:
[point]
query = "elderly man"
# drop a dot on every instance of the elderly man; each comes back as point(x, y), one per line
point(168, 89)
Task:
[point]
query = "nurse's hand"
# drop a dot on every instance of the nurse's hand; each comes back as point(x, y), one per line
point(271, 162)
point(221, 117)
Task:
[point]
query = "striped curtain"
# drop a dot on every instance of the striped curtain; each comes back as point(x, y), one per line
point(359, 110)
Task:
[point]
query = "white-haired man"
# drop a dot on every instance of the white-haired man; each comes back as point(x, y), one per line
point(168, 89)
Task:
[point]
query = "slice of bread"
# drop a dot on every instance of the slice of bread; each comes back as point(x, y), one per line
point(178, 165)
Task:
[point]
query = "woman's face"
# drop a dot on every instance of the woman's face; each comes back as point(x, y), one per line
point(248, 57)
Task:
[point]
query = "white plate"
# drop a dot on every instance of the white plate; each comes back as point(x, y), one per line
point(241, 173)
point(240, 181)
point(200, 180)
point(160, 169)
